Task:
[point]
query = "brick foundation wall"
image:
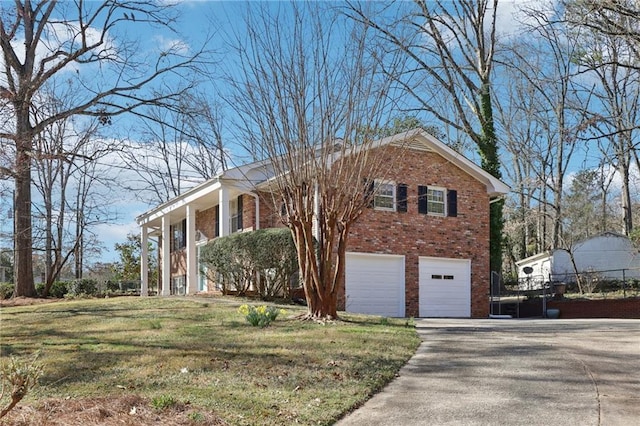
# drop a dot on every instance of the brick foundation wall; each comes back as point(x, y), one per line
point(614, 308)
point(413, 234)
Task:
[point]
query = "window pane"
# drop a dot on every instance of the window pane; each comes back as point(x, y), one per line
point(385, 189)
point(385, 194)
point(435, 201)
point(384, 202)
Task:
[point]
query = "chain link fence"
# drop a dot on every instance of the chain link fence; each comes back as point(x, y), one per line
point(589, 284)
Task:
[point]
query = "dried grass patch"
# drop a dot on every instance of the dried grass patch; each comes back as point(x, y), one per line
point(128, 410)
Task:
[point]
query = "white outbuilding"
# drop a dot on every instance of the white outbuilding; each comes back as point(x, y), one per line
point(609, 255)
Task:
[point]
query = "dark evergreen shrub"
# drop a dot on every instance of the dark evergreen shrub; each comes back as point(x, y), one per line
point(264, 260)
point(82, 287)
point(6, 290)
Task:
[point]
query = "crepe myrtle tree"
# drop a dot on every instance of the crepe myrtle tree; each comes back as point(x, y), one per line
point(89, 46)
point(309, 94)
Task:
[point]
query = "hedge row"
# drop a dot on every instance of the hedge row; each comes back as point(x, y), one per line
point(264, 260)
point(76, 288)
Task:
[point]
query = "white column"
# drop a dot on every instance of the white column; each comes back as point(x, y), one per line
point(192, 271)
point(224, 211)
point(166, 253)
point(144, 261)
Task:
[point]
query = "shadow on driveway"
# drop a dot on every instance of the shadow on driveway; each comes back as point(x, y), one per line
point(514, 372)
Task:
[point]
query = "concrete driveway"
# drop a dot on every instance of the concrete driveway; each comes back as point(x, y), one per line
point(514, 372)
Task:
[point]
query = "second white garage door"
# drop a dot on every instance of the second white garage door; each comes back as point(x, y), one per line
point(374, 284)
point(445, 287)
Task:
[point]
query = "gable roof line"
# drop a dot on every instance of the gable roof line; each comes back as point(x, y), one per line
point(495, 187)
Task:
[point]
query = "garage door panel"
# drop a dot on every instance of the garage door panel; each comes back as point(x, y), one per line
point(445, 287)
point(374, 284)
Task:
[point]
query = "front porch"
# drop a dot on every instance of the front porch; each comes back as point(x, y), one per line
point(213, 209)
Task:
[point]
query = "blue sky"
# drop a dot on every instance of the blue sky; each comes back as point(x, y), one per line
point(219, 20)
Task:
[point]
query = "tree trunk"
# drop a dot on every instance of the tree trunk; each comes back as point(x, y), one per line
point(626, 199)
point(321, 300)
point(491, 163)
point(23, 262)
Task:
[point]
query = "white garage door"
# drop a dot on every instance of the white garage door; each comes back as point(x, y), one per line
point(445, 287)
point(374, 284)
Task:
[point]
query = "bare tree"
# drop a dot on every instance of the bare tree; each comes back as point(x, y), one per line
point(78, 42)
point(606, 54)
point(308, 93)
point(180, 147)
point(69, 184)
point(520, 130)
point(449, 48)
point(543, 64)
point(613, 19)
point(588, 204)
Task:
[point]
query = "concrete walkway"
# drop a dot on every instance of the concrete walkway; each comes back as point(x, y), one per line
point(514, 372)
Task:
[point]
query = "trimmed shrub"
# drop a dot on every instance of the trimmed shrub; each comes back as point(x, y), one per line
point(58, 289)
point(6, 290)
point(83, 287)
point(236, 261)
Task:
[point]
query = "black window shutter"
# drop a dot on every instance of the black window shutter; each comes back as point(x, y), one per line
point(401, 196)
point(368, 194)
point(452, 203)
point(422, 199)
point(217, 230)
point(240, 212)
point(183, 235)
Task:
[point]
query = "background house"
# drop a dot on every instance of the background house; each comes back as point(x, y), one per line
point(421, 249)
point(608, 255)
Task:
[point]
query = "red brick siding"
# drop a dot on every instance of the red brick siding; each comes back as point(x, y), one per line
point(614, 308)
point(248, 212)
point(269, 214)
point(206, 222)
point(413, 234)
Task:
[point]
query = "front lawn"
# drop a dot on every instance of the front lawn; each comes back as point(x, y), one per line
point(197, 361)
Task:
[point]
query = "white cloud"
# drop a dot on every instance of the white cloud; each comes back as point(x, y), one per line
point(511, 18)
point(171, 45)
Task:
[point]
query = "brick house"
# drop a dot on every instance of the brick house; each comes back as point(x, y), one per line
point(422, 249)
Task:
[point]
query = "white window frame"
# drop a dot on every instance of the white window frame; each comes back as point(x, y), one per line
point(430, 201)
point(179, 284)
point(377, 195)
point(203, 281)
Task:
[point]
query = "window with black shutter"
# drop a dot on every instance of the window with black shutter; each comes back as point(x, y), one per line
point(437, 201)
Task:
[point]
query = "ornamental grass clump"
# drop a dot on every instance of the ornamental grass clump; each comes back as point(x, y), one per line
point(260, 316)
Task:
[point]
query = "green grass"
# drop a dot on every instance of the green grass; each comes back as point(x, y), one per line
point(203, 352)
